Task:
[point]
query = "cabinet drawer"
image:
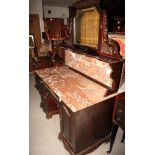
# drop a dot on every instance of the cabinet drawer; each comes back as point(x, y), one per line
point(51, 104)
point(39, 83)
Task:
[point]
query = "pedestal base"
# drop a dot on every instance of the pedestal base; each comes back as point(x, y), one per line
point(86, 150)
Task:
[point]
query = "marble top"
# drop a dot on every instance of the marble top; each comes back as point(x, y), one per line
point(76, 91)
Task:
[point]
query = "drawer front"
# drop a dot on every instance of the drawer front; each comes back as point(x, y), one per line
point(120, 115)
point(50, 104)
point(39, 84)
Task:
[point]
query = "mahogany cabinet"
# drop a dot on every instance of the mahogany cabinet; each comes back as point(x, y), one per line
point(87, 84)
point(42, 62)
point(47, 61)
point(85, 116)
point(48, 102)
point(84, 130)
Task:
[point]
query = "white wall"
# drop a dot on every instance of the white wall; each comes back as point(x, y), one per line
point(56, 12)
point(35, 7)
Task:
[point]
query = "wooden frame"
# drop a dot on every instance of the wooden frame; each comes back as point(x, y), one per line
point(106, 47)
point(33, 46)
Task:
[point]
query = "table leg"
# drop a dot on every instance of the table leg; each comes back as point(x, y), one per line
point(123, 137)
point(113, 135)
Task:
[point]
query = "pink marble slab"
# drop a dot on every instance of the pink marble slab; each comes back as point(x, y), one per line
point(92, 67)
point(76, 91)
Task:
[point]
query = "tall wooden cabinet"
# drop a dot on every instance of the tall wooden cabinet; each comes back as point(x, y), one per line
point(34, 28)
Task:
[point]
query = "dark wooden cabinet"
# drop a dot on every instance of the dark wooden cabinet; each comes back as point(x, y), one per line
point(42, 65)
point(42, 62)
point(47, 62)
point(34, 28)
point(31, 68)
point(48, 103)
point(84, 130)
point(58, 60)
point(66, 119)
point(81, 130)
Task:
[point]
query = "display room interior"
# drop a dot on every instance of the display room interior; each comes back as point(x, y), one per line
point(76, 77)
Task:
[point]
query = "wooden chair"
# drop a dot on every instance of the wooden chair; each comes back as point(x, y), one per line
point(32, 46)
point(54, 33)
point(32, 52)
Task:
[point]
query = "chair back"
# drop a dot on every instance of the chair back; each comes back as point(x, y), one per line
point(32, 46)
point(54, 29)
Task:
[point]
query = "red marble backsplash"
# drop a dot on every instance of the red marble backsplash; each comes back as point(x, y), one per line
point(92, 67)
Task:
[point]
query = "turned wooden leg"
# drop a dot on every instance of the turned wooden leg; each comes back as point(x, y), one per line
point(113, 135)
point(123, 137)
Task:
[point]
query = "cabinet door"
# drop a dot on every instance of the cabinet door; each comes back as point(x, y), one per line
point(65, 122)
point(50, 106)
point(40, 86)
point(34, 28)
point(48, 101)
point(42, 95)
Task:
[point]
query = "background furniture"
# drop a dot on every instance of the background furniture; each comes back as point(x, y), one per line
point(32, 52)
point(119, 25)
point(42, 58)
point(42, 62)
point(36, 62)
point(34, 28)
point(48, 61)
point(55, 31)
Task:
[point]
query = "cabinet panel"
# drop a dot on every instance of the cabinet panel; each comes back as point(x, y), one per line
point(48, 101)
point(34, 28)
point(50, 105)
point(93, 124)
point(65, 120)
point(86, 129)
